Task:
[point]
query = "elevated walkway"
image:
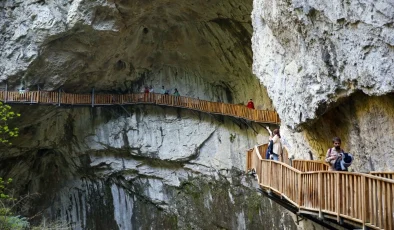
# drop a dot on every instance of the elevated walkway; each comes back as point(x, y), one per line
point(60, 98)
point(351, 199)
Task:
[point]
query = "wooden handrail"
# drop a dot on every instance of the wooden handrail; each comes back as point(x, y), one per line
point(388, 175)
point(56, 98)
point(310, 165)
point(366, 200)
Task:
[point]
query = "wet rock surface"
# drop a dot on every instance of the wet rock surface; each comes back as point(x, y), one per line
point(108, 168)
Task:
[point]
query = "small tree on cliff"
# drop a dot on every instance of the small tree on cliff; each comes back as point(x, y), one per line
point(6, 132)
point(7, 202)
point(8, 219)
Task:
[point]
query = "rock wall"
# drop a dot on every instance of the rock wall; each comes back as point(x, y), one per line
point(138, 166)
point(133, 167)
point(310, 53)
point(202, 48)
point(328, 67)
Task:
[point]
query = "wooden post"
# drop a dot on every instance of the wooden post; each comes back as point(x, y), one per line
point(59, 97)
point(6, 93)
point(338, 196)
point(281, 180)
point(38, 96)
point(92, 97)
point(319, 193)
point(299, 190)
point(270, 174)
point(363, 201)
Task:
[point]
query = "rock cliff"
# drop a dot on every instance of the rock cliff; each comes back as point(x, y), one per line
point(135, 167)
point(325, 66)
point(139, 166)
point(202, 48)
point(328, 68)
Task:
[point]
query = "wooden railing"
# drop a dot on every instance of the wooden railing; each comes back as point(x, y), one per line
point(263, 149)
point(60, 98)
point(363, 199)
point(388, 175)
point(310, 165)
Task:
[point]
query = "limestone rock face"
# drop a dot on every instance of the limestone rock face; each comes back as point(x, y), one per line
point(203, 48)
point(142, 166)
point(310, 53)
point(328, 67)
point(138, 166)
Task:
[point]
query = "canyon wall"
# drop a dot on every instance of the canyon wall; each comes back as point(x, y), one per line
point(325, 66)
point(328, 68)
point(131, 167)
point(137, 167)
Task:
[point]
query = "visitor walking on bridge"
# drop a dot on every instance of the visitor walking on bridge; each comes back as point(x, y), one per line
point(176, 93)
point(277, 150)
point(250, 104)
point(146, 93)
point(162, 91)
point(334, 152)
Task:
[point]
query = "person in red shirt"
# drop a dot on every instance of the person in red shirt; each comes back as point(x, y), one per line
point(146, 93)
point(146, 90)
point(250, 104)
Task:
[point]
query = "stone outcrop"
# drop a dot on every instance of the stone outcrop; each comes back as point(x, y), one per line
point(138, 166)
point(311, 53)
point(202, 48)
point(328, 68)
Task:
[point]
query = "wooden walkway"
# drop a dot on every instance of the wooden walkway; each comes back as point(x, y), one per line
point(59, 98)
point(365, 200)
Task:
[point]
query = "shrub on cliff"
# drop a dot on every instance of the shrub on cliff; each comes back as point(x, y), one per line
point(9, 221)
point(6, 132)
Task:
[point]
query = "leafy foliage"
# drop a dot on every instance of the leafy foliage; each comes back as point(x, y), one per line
point(7, 218)
point(6, 132)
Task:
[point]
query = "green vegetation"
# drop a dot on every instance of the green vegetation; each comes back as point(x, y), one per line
point(8, 220)
point(6, 132)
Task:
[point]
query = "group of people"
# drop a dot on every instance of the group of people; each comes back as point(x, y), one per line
point(149, 89)
point(336, 157)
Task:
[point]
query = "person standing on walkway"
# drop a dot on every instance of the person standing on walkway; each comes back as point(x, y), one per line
point(250, 104)
point(276, 150)
point(162, 91)
point(334, 152)
point(146, 89)
point(176, 93)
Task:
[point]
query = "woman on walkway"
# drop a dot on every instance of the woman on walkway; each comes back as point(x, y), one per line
point(277, 151)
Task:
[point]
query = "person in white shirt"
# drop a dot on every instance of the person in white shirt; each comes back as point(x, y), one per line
point(277, 151)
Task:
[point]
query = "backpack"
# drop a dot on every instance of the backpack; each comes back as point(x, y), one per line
point(347, 160)
point(343, 162)
point(269, 150)
point(337, 164)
